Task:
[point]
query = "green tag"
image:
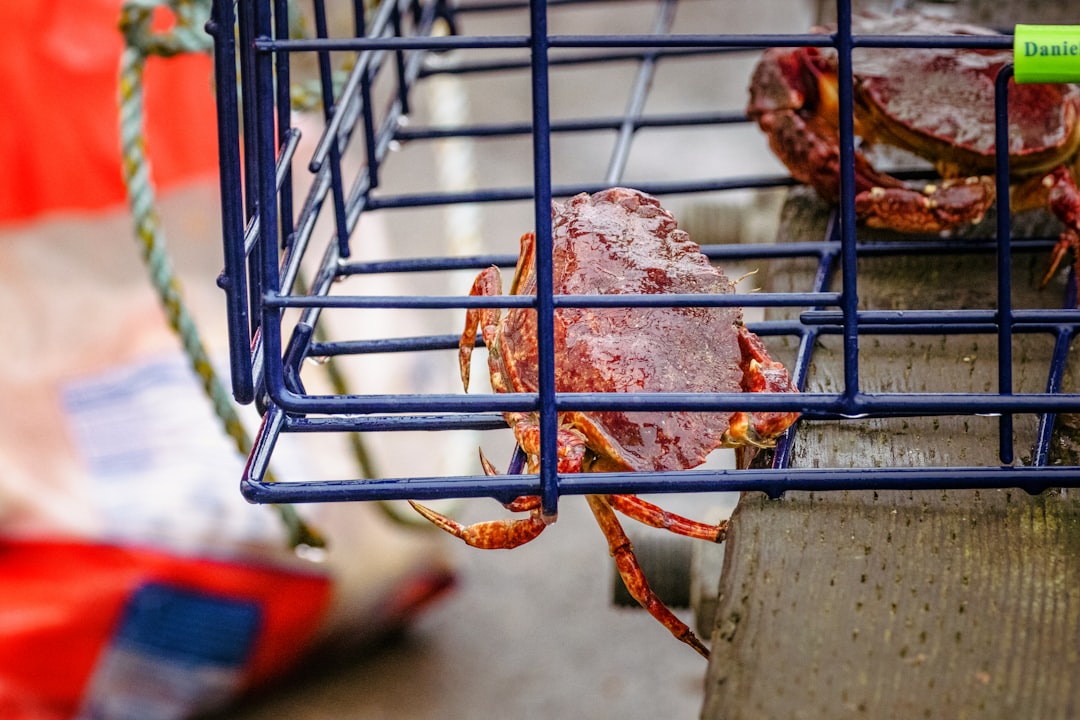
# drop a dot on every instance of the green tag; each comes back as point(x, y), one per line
point(1046, 53)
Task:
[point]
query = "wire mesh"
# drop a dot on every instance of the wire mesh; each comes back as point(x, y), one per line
point(285, 216)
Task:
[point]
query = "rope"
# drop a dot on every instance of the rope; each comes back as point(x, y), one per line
point(185, 36)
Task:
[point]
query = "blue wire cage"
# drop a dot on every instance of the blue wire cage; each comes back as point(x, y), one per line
point(270, 210)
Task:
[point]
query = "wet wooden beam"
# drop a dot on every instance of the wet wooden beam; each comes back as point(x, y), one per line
point(904, 604)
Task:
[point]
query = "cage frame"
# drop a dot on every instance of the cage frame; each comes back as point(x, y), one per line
point(264, 244)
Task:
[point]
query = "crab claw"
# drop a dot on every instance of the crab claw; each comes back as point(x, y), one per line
point(488, 282)
point(493, 535)
point(570, 443)
point(760, 374)
point(930, 209)
point(489, 469)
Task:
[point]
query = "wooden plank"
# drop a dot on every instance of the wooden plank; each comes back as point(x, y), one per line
point(905, 604)
point(899, 605)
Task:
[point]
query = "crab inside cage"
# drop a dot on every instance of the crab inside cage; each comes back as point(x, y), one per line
point(358, 238)
point(362, 231)
point(439, 133)
point(389, 82)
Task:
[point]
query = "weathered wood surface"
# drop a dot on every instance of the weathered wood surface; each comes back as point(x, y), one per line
point(932, 604)
point(993, 13)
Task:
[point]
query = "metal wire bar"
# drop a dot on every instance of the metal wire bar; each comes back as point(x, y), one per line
point(636, 103)
point(647, 42)
point(233, 278)
point(560, 301)
point(846, 214)
point(1004, 258)
point(812, 404)
point(774, 482)
point(809, 249)
point(327, 85)
point(545, 304)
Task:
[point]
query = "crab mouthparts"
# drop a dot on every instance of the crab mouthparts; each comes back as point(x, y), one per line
point(760, 431)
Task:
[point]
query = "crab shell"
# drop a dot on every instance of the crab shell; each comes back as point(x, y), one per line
point(939, 103)
point(935, 102)
point(621, 241)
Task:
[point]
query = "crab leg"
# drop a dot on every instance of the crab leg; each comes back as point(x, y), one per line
point(488, 282)
point(1064, 199)
point(654, 516)
point(496, 534)
point(526, 261)
point(623, 553)
point(1069, 240)
point(570, 444)
point(490, 535)
point(793, 99)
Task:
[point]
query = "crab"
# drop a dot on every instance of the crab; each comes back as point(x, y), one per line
point(621, 241)
point(936, 103)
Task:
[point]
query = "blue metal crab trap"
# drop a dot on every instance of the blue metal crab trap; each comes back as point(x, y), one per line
point(430, 112)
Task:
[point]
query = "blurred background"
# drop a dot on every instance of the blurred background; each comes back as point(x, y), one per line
point(114, 473)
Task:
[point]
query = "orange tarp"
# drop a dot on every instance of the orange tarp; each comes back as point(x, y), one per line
point(59, 136)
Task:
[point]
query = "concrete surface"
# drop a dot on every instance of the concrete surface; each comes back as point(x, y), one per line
point(528, 634)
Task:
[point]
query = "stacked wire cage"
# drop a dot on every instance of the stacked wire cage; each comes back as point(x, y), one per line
point(395, 158)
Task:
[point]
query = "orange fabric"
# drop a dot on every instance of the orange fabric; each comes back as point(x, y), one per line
point(59, 128)
point(60, 603)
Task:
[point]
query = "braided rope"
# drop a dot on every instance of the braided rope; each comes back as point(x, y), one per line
point(186, 35)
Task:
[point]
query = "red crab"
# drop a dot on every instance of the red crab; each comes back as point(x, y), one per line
point(936, 103)
point(621, 241)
